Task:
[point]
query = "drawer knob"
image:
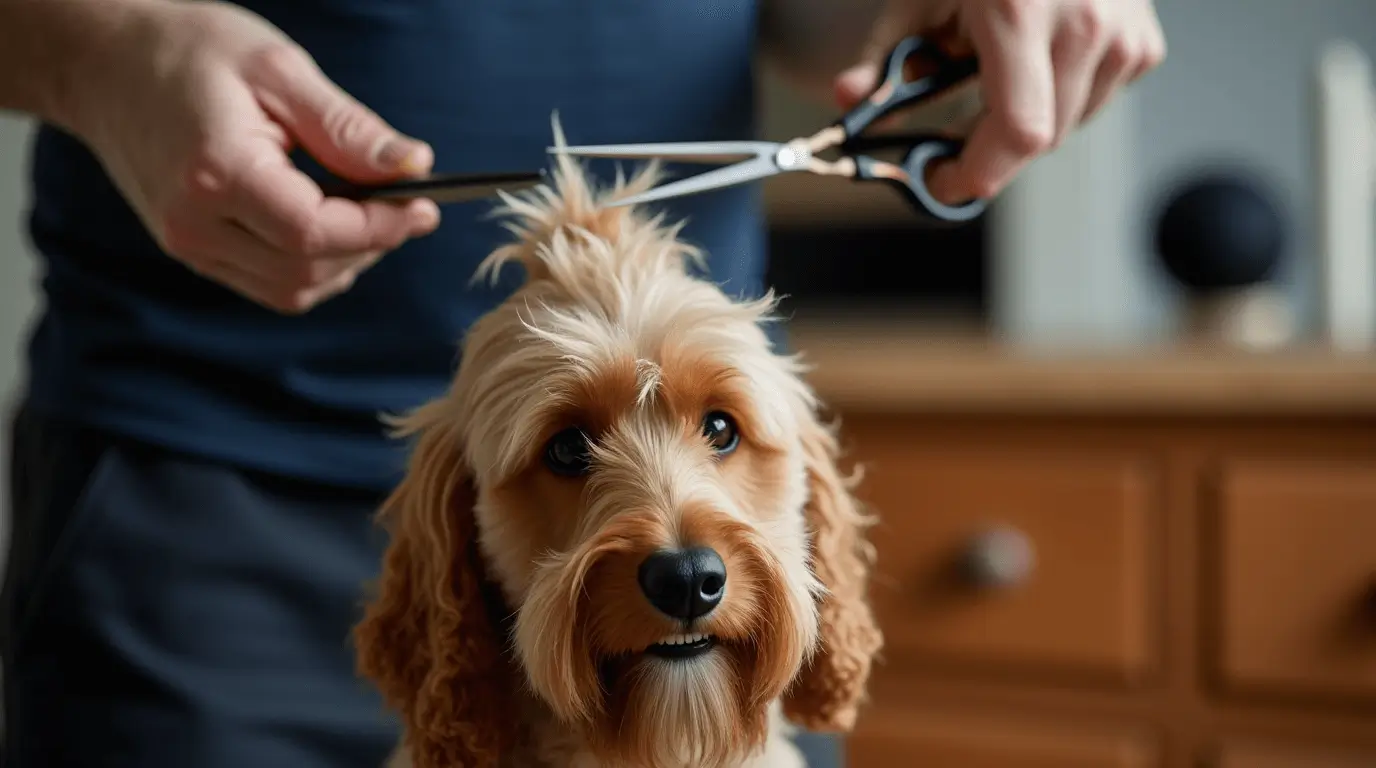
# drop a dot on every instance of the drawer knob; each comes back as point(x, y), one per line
point(1002, 557)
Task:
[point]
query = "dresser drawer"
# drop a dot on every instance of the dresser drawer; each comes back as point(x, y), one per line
point(1297, 578)
point(1260, 755)
point(904, 738)
point(994, 561)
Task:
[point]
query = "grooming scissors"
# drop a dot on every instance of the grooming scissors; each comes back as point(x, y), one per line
point(763, 159)
point(442, 188)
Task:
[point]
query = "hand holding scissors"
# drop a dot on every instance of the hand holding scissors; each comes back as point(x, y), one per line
point(763, 159)
point(1046, 68)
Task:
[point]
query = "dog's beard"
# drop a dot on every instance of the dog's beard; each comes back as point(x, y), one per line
point(584, 629)
point(679, 712)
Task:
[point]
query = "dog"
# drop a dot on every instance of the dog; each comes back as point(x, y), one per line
point(623, 537)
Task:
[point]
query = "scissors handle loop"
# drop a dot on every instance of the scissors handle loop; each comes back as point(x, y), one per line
point(932, 73)
point(909, 177)
point(896, 90)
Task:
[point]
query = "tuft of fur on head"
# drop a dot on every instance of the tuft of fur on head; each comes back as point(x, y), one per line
point(510, 588)
point(559, 227)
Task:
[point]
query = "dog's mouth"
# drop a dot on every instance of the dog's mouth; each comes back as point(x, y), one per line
point(682, 646)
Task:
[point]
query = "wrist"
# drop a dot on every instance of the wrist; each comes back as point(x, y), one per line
point(62, 52)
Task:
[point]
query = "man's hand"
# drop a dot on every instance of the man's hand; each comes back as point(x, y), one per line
point(193, 115)
point(1046, 66)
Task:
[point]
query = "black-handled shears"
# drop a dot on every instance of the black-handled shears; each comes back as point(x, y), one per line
point(761, 159)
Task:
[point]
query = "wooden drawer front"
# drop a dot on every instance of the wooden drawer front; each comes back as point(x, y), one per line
point(1084, 604)
point(909, 739)
point(1269, 756)
point(1297, 603)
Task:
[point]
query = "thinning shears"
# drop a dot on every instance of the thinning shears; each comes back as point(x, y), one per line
point(762, 159)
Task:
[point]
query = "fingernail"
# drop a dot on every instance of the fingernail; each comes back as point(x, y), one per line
point(409, 157)
point(426, 216)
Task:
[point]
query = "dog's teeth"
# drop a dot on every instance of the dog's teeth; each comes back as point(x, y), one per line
point(683, 639)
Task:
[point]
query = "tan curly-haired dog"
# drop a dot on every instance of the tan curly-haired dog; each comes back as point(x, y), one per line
point(623, 539)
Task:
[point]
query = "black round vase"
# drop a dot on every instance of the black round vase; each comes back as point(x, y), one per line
point(1223, 237)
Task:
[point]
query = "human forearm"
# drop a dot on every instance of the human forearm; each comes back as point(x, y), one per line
point(49, 49)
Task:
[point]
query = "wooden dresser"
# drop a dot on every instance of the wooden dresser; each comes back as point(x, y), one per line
point(1157, 560)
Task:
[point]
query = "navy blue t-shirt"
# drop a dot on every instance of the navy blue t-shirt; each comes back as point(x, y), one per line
point(132, 341)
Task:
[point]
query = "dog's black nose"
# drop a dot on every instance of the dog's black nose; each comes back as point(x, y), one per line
point(684, 584)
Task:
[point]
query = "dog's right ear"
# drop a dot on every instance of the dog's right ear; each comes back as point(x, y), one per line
point(427, 640)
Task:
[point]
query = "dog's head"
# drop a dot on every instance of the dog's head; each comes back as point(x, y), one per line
point(627, 504)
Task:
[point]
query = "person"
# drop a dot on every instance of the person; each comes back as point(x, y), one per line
point(197, 455)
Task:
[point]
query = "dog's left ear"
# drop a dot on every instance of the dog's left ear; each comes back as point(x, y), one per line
point(428, 640)
point(828, 692)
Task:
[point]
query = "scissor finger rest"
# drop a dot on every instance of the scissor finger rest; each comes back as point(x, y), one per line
point(909, 177)
point(897, 90)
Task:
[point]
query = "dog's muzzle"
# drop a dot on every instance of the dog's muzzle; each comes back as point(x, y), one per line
point(685, 585)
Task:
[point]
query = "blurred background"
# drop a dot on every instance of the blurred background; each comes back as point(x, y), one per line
point(1127, 476)
point(1068, 255)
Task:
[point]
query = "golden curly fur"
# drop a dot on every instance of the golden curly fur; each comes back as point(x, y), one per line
point(508, 628)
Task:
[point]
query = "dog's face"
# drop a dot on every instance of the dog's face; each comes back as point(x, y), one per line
point(640, 487)
point(625, 504)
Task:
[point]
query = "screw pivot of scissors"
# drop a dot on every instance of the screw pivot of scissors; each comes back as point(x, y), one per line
point(793, 156)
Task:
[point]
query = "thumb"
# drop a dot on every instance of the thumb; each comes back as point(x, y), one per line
point(342, 134)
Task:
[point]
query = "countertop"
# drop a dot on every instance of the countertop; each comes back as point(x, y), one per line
point(857, 368)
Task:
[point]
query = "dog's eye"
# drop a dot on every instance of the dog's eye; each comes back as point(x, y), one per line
point(567, 452)
point(720, 431)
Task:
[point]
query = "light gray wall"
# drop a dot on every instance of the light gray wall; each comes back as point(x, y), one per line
point(1237, 87)
point(17, 291)
point(16, 267)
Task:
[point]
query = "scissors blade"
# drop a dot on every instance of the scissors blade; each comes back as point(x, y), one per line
point(686, 151)
point(740, 173)
point(444, 188)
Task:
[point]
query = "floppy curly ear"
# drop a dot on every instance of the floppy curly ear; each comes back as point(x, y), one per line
point(827, 693)
point(427, 640)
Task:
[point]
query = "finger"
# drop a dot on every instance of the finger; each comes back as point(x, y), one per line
point(268, 294)
point(238, 245)
point(285, 207)
point(247, 284)
point(237, 269)
point(198, 240)
point(855, 84)
point(344, 135)
point(1153, 48)
point(1128, 58)
point(272, 279)
point(1078, 44)
point(897, 20)
point(1115, 70)
point(1018, 88)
